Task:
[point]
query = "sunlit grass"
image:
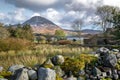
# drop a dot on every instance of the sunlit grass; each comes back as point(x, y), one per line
point(39, 54)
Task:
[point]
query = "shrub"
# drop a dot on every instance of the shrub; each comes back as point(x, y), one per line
point(78, 63)
point(64, 42)
point(118, 65)
point(5, 74)
point(58, 77)
point(88, 58)
point(1, 77)
point(4, 33)
point(106, 79)
point(73, 65)
point(14, 44)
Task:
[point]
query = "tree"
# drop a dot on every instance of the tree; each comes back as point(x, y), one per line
point(3, 32)
point(116, 24)
point(28, 33)
point(23, 32)
point(105, 14)
point(77, 26)
point(48, 37)
point(60, 34)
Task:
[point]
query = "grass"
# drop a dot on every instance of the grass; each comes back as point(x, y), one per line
point(39, 54)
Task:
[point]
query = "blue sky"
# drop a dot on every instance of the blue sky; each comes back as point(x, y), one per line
point(61, 12)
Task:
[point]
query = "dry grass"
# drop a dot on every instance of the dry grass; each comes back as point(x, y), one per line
point(39, 55)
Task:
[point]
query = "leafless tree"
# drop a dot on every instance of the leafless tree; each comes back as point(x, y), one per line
point(105, 14)
point(77, 26)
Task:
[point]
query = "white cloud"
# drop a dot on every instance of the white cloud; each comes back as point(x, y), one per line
point(18, 15)
point(112, 2)
point(2, 16)
point(36, 14)
point(13, 17)
point(61, 12)
point(42, 2)
point(53, 14)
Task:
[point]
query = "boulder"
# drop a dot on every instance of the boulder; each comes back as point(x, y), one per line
point(115, 77)
point(71, 78)
point(57, 60)
point(46, 74)
point(80, 78)
point(48, 64)
point(3, 79)
point(96, 72)
point(22, 74)
point(15, 67)
point(81, 73)
point(1, 68)
point(103, 50)
point(58, 70)
point(118, 56)
point(119, 73)
point(110, 60)
point(32, 74)
point(104, 74)
point(115, 51)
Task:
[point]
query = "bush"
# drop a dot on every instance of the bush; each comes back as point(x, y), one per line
point(78, 63)
point(73, 65)
point(14, 44)
point(88, 58)
point(58, 77)
point(118, 65)
point(106, 79)
point(64, 42)
point(5, 74)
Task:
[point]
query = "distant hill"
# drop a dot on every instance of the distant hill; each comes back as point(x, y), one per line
point(91, 31)
point(85, 31)
point(42, 25)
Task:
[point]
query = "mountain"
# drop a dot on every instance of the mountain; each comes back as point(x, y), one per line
point(42, 25)
point(85, 31)
point(91, 31)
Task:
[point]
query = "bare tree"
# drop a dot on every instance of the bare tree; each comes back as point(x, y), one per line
point(77, 26)
point(105, 14)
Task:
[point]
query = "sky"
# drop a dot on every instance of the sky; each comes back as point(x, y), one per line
point(61, 12)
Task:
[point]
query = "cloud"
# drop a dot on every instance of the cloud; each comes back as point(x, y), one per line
point(13, 17)
point(41, 2)
point(38, 5)
point(41, 5)
point(36, 14)
point(53, 14)
point(112, 2)
point(61, 12)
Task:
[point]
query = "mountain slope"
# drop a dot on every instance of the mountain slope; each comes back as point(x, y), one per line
point(42, 25)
